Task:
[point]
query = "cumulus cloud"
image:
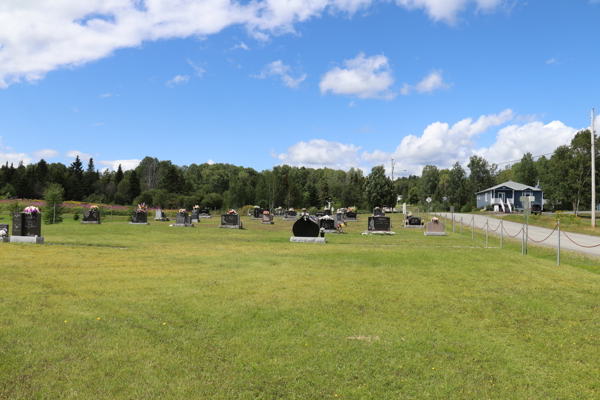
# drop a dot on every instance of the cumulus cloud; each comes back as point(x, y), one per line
point(45, 154)
point(365, 77)
point(177, 80)
point(210, 161)
point(319, 153)
point(37, 37)
point(447, 10)
point(440, 144)
point(278, 68)
point(126, 165)
point(241, 45)
point(82, 156)
point(432, 82)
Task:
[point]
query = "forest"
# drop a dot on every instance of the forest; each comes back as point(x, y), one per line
point(565, 177)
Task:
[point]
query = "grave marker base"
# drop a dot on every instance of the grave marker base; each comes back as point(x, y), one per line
point(434, 233)
point(414, 226)
point(204, 216)
point(268, 223)
point(296, 239)
point(184, 225)
point(90, 222)
point(289, 218)
point(381, 233)
point(161, 219)
point(24, 239)
point(139, 223)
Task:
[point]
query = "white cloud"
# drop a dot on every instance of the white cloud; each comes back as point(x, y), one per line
point(210, 161)
point(318, 153)
point(45, 154)
point(352, 104)
point(432, 82)
point(198, 71)
point(278, 68)
point(41, 36)
point(82, 156)
point(105, 95)
point(177, 80)
point(241, 45)
point(551, 61)
point(365, 77)
point(447, 10)
point(126, 165)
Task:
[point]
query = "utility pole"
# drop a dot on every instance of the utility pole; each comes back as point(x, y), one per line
point(593, 114)
point(392, 170)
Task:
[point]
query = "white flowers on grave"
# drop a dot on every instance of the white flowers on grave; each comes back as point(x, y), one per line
point(3, 233)
point(31, 210)
point(142, 207)
point(182, 210)
point(196, 207)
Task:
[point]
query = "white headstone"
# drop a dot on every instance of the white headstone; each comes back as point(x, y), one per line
point(404, 209)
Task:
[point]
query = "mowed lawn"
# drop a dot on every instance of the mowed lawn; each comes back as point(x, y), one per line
point(118, 311)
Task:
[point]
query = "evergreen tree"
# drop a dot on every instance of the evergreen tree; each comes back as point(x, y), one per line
point(379, 189)
point(90, 177)
point(134, 185)
point(313, 195)
point(325, 195)
point(118, 176)
point(76, 177)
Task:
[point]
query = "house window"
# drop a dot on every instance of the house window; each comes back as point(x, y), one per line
point(527, 193)
point(486, 197)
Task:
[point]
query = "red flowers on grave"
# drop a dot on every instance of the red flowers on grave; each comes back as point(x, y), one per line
point(265, 212)
point(231, 212)
point(142, 207)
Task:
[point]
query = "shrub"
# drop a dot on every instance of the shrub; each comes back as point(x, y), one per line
point(466, 208)
point(489, 208)
point(76, 214)
point(15, 207)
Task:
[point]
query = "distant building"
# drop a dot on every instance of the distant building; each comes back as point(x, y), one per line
point(506, 196)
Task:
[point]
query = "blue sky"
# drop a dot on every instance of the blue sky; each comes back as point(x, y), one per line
point(336, 83)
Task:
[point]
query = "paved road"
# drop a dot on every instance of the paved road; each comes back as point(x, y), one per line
point(535, 233)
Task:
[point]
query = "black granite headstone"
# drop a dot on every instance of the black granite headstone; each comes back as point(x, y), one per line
point(305, 227)
point(32, 225)
point(327, 212)
point(291, 213)
point(351, 215)
point(17, 223)
point(379, 223)
point(414, 221)
point(195, 213)
point(327, 224)
point(204, 211)
point(257, 213)
point(139, 217)
point(378, 212)
point(319, 214)
point(182, 218)
point(91, 216)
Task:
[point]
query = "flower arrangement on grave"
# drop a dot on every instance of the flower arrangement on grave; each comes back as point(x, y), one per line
point(232, 211)
point(196, 207)
point(142, 207)
point(339, 211)
point(31, 210)
point(94, 208)
point(327, 217)
point(435, 220)
point(182, 210)
point(292, 209)
point(351, 209)
point(265, 212)
point(3, 233)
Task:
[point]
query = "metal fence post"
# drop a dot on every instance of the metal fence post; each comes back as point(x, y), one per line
point(487, 231)
point(523, 241)
point(501, 234)
point(54, 214)
point(558, 247)
point(453, 228)
point(473, 228)
point(461, 225)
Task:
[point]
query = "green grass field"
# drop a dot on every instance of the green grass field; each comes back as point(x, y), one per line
point(117, 311)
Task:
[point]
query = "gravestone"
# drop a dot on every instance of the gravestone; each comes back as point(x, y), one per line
point(257, 213)
point(306, 230)
point(339, 218)
point(195, 215)
point(267, 219)
point(183, 219)
point(404, 209)
point(413, 222)
point(327, 212)
point(378, 212)
point(26, 228)
point(290, 215)
point(231, 221)
point(17, 223)
point(160, 215)
point(204, 213)
point(379, 223)
point(319, 214)
point(328, 224)
point(91, 217)
point(435, 228)
point(139, 218)
point(350, 216)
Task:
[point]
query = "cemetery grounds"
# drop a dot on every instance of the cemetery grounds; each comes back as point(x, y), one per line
point(117, 311)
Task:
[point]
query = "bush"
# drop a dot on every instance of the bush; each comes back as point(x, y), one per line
point(466, 208)
point(15, 207)
point(76, 214)
point(489, 208)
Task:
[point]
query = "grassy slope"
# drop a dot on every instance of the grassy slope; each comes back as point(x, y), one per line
point(164, 312)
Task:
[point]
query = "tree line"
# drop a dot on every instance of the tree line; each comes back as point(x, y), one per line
point(565, 178)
